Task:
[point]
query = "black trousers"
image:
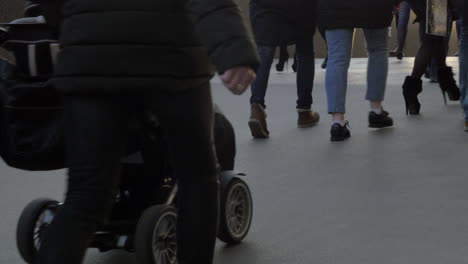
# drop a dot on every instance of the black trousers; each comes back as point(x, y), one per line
point(432, 49)
point(96, 135)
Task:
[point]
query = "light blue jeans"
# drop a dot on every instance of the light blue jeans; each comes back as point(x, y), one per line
point(463, 58)
point(340, 42)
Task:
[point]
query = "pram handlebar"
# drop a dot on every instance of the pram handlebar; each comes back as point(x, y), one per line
point(3, 35)
point(26, 21)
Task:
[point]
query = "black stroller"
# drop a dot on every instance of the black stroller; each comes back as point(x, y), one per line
point(145, 211)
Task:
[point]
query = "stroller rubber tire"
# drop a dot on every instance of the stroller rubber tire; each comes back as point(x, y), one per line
point(27, 225)
point(235, 216)
point(147, 234)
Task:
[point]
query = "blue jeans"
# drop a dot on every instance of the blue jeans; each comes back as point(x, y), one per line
point(305, 73)
point(463, 58)
point(339, 56)
point(402, 20)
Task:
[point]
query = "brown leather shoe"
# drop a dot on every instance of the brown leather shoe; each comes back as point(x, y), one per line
point(257, 122)
point(307, 119)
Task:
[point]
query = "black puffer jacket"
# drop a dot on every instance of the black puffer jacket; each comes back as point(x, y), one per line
point(111, 46)
point(334, 14)
point(282, 22)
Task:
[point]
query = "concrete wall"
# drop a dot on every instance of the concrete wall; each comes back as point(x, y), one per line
point(10, 9)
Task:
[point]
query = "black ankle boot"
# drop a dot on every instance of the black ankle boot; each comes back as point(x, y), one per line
point(448, 85)
point(411, 88)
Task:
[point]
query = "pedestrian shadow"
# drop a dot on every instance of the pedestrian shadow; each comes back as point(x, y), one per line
point(382, 131)
point(114, 257)
point(245, 253)
point(260, 141)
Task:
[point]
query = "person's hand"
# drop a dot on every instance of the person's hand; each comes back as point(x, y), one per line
point(238, 79)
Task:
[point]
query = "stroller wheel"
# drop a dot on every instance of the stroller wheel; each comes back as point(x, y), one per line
point(34, 219)
point(155, 236)
point(236, 212)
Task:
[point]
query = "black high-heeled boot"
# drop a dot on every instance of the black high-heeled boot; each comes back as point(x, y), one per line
point(448, 85)
point(411, 88)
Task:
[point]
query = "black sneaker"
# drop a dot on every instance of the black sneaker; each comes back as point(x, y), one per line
point(380, 121)
point(339, 132)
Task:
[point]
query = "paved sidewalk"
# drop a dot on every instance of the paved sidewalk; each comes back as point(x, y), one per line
point(391, 196)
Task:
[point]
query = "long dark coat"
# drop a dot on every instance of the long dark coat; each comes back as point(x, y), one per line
point(282, 22)
point(112, 46)
point(335, 14)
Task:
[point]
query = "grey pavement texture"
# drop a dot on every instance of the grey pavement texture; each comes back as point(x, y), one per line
point(391, 196)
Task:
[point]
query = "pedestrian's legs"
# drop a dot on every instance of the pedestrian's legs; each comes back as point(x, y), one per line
point(397, 17)
point(433, 67)
point(377, 67)
point(283, 53)
point(402, 24)
point(323, 34)
point(260, 85)
point(283, 58)
point(459, 28)
point(187, 119)
point(95, 131)
point(336, 79)
point(377, 72)
point(430, 47)
point(305, 72)
point(464, 70)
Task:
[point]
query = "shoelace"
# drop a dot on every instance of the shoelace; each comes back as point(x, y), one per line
point(347, 124)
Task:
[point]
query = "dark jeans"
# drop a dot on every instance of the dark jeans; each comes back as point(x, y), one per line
point(402, 19)
point(96, 135)
point(305, 73)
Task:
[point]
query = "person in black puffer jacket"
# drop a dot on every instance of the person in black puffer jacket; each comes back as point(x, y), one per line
point(339, 18)
point(431, 47)
point(119, 57)
point(282, 23)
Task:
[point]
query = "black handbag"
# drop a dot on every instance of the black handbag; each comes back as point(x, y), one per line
point(31, 112)
point(31, 126)
point(33, 44)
